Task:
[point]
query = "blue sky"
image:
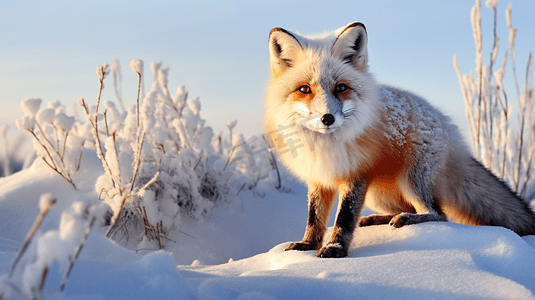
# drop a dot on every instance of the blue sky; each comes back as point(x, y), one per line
point(218, 50)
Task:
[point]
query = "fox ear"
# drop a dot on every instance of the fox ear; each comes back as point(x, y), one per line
point(284, 49)
point(351, 45)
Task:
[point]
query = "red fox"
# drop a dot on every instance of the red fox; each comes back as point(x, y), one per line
point(372, 144)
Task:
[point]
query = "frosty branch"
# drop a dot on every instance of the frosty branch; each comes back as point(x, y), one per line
point(504, 147)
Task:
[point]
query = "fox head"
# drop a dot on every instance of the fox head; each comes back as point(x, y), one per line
point(321, 83)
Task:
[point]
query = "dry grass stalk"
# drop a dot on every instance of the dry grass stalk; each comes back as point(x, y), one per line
point(488, 111)
point(100, 153)
point(31, 234)
point(46, 204)
point(37, 291)
point(7, 163)
point(117, 82)
point(106, 122)
point(62, 169)
point(153, 232)
point(137, 100)
point(77, 251)
point(137, 163)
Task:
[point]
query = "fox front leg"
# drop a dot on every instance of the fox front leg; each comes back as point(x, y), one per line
point(417, 191)
point(351, 202)
point(320, 201)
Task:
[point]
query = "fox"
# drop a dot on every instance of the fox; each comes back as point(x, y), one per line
point(372, 144)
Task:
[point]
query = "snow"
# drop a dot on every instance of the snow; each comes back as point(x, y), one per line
point(30, 106)
point(231, 124)
point(210, 202)
point(238, 252)
point(491, 3)
point(137, 66)
point(46, 201)
point(64, 122)
point(47, 115)
point(102, 71)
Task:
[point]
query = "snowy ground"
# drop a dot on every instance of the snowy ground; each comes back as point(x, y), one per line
point(238, 253)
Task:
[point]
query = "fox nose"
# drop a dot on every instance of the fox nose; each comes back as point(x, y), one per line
point(327, 119)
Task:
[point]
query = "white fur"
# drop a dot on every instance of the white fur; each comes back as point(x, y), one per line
point(322, 161)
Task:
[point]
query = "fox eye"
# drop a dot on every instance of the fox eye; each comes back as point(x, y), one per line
point(339, 88)
point(305, 89)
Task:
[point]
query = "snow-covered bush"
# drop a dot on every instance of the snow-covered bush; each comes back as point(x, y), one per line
point(161, 161)
point(505, 147)
point(56, 140)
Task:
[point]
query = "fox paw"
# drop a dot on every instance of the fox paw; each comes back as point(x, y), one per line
point(302, 246)
point(399, 220)
point(332, 251)
point(375, 220)
point(366, 221)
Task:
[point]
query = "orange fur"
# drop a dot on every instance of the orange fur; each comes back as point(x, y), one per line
point(305, 98)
